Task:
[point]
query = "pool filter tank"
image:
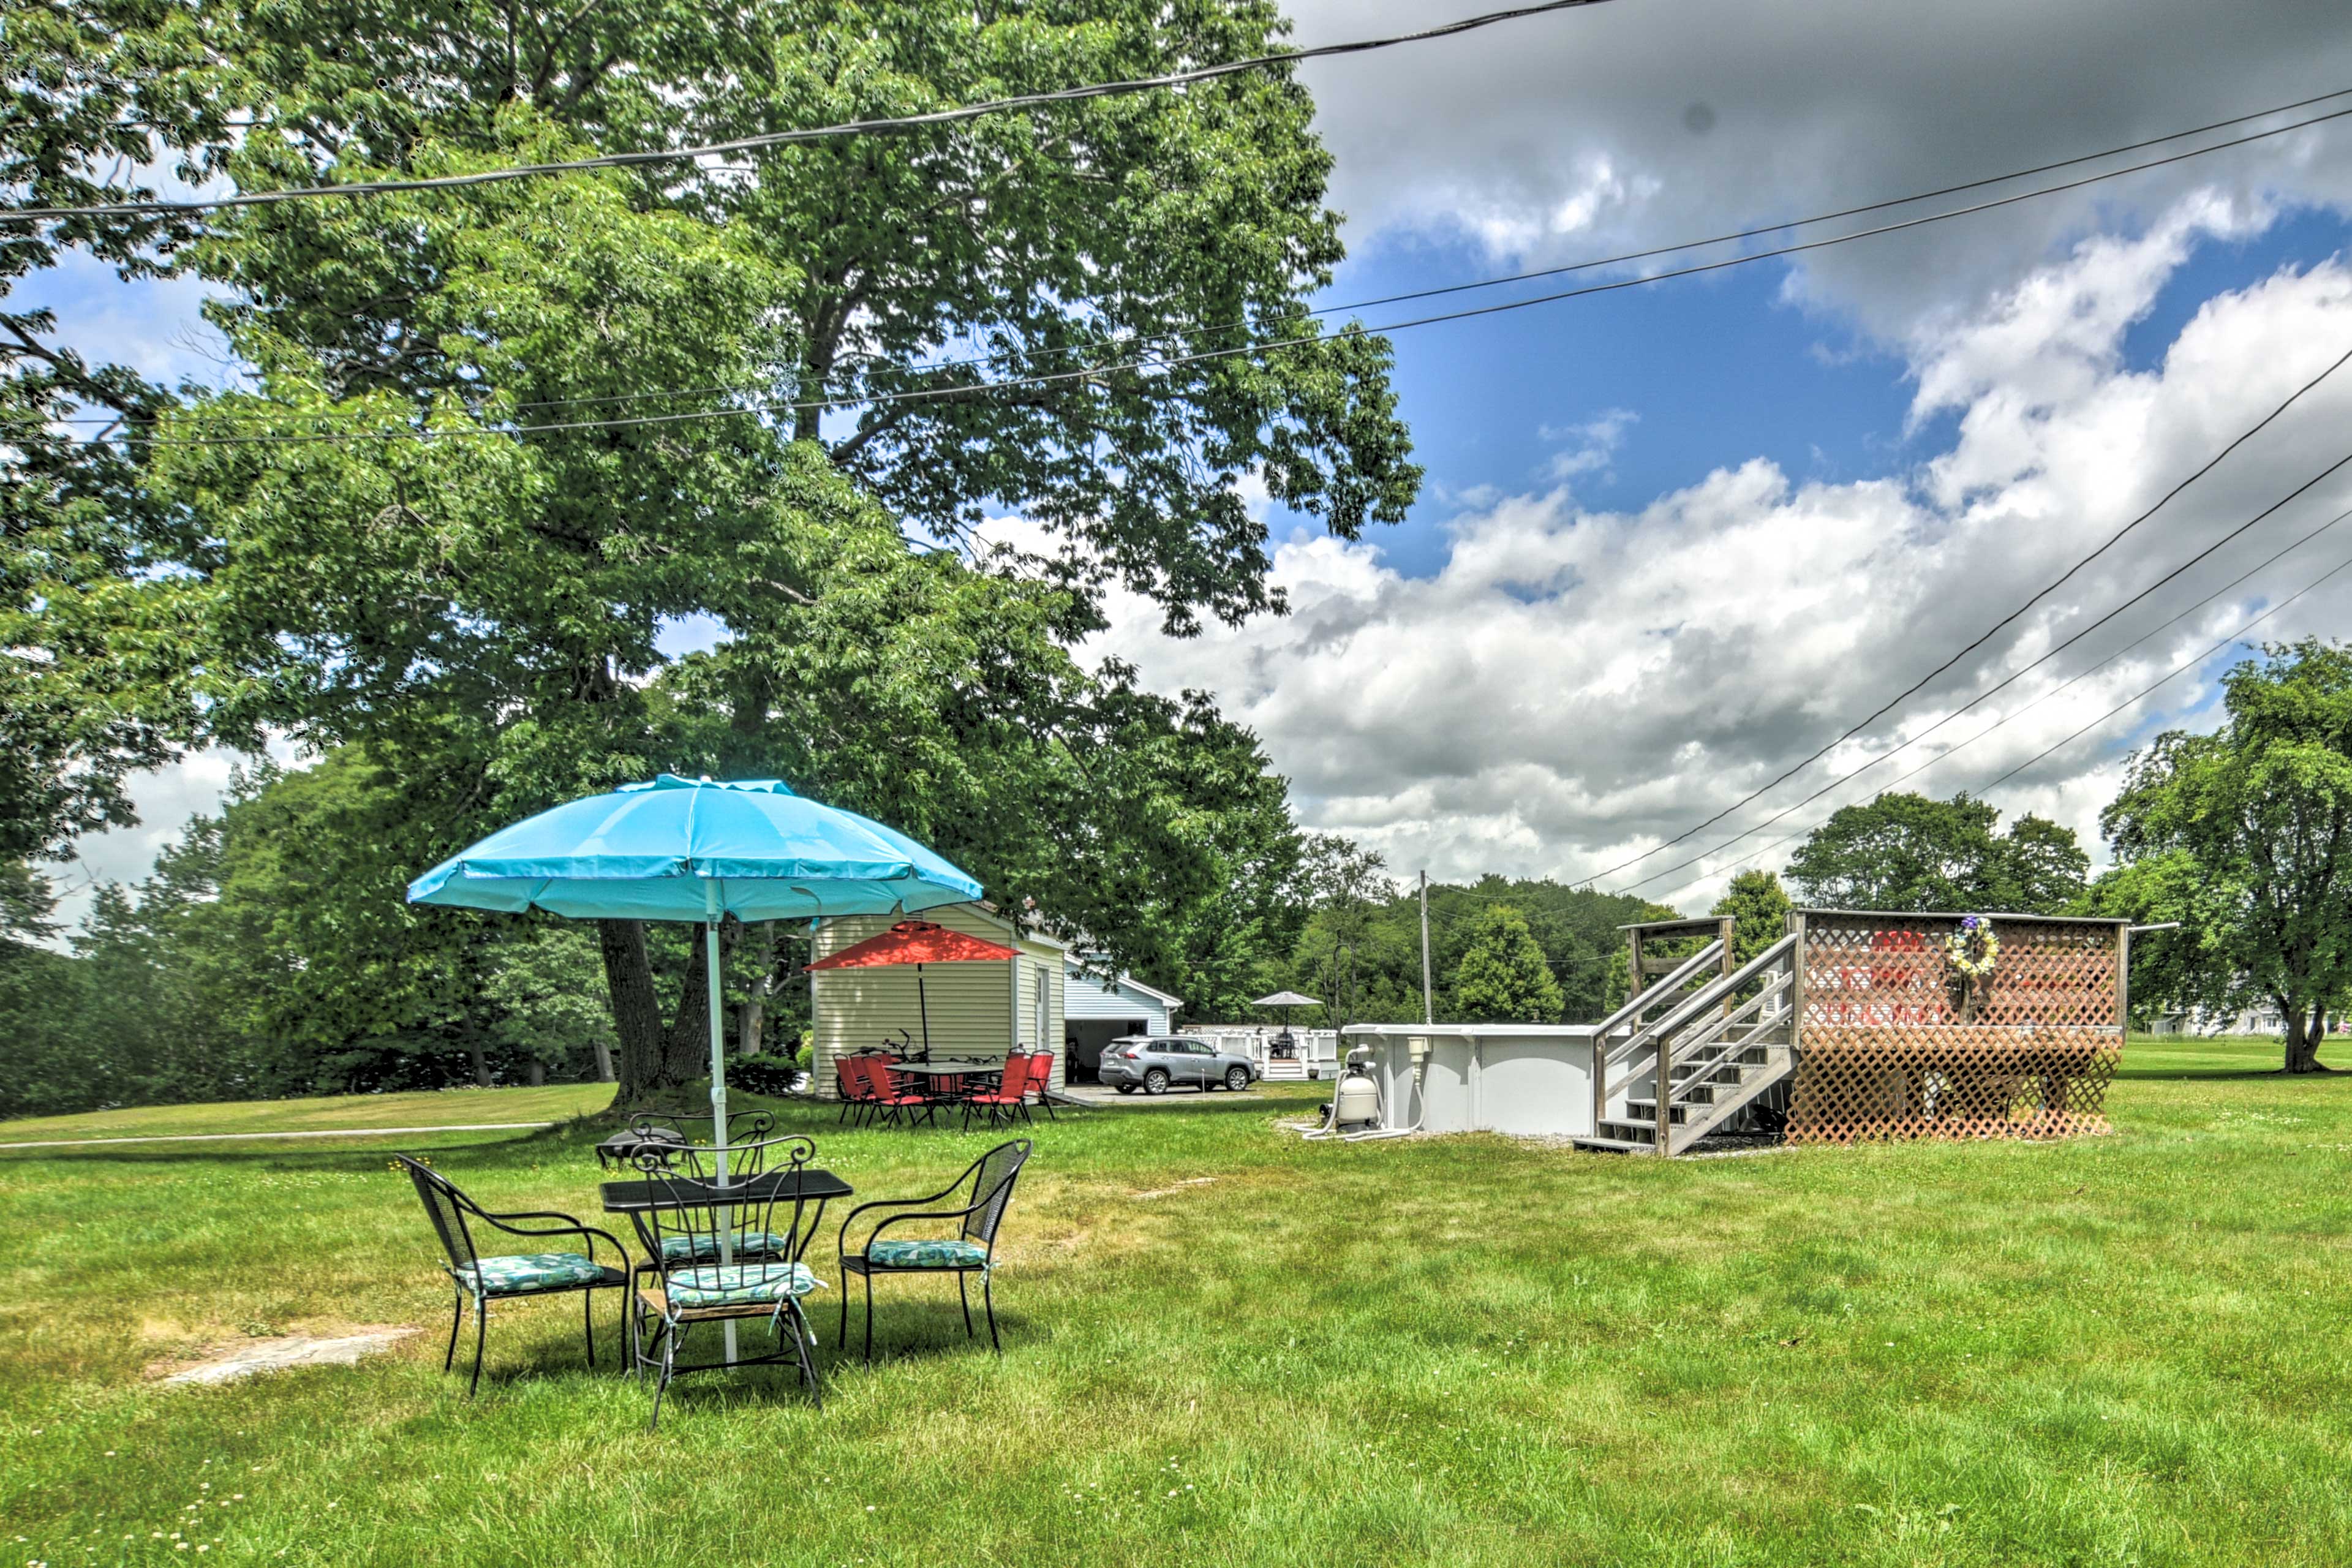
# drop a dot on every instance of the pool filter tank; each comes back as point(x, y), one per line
point(1355, 1098)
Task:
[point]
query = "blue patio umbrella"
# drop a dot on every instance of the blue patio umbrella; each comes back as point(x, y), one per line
point(695, 849)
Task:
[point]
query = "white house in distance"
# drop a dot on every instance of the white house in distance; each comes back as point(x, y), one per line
point(1097, 1009)
point(981, 1010)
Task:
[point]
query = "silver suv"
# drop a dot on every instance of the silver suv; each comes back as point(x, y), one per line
point(1158, 1063)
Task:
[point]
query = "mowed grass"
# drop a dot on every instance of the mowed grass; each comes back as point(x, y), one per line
point(438, 1108)
point(2125, 1350)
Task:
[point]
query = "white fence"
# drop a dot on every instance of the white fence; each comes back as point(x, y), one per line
point(1315, 1052)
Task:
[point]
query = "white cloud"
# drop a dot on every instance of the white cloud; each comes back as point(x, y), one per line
point(1587, 448)
point(1574, 685)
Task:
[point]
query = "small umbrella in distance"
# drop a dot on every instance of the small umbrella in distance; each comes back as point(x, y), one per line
point(1287, 1000)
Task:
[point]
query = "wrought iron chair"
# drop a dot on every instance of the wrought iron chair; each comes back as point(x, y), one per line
point(973, 1250)
point(714, 1253)
point(512, 1276)
point(699, 1162)
point(656, 1127)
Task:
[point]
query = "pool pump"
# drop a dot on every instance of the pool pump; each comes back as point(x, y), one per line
point(1355, 1111)
point(1356, 1097)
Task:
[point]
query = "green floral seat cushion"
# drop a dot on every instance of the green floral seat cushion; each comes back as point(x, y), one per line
point(705, 1248)
point(529, 1271)
point(739, 1284)
point(927, 1253)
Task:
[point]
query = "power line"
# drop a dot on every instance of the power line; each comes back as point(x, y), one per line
point(1177, 362)
point(2038, 594)
point(1585, 266)
point(2175, 670)
point(809, 133)
point(2185, 665)
point(1952, 750)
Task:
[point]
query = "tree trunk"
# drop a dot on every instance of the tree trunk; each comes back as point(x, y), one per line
point(636, 1011)
point(655, 1059)
point(751, 1017)
point(2303, 1034)
point(481, 1063)
point(686, 1049)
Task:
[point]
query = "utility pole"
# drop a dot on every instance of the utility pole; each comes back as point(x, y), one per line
point(1428, 1007)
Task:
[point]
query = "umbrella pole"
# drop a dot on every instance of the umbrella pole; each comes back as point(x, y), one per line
point(923, 1006)
point(718, 1088)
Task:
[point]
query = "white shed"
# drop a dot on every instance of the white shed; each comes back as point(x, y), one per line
point(1097, 1009)
point(982, 1010)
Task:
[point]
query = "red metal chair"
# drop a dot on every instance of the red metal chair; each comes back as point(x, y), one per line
point(1041, 1078)
point(851, 1083)
point(1007, 1099)
point(889, 1098)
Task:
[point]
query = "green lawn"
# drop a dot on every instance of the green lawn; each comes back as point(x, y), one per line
point(441, 1108)
point(2126, 1350)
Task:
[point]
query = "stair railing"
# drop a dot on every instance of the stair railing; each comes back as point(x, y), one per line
point(1680, 1032)
point(1631, 1019)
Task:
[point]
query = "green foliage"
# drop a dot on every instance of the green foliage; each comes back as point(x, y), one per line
point(1348, 954)
point(2244, 835)
point(1759, 907)
point(1377, 929)
point(1503, 976)
point(93, 626)
point(1908, 852)
point(769, 1075)
point(545, 987)
point(2171, 971)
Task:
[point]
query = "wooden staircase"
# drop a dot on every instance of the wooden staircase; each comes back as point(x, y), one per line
point(1719, 1041)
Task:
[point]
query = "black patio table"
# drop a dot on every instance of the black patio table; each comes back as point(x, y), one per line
point(808, 1184)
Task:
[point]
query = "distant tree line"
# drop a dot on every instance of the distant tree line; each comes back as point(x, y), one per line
point(269, 953)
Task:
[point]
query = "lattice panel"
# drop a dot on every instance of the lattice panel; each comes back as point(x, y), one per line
point(1950, 1081)
point(1881, 969)
point(1897, 1042)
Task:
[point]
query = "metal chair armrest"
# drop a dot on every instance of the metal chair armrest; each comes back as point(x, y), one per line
point(571, 1227)
point(898, 1203)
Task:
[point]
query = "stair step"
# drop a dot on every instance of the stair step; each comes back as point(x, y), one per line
point(1618, 1145)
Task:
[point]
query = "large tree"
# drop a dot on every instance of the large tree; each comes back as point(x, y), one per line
point(483, 609)
point(1759, 908)
point(2246, 834)
point(1908, 852)
point(387, 559)
point(93, 625)
point(1503, 976)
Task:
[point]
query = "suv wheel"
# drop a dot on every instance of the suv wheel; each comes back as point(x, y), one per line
point(1155, 1082)
point(1237, 1078)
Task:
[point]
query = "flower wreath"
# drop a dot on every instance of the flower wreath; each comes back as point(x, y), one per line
point(1973, 949)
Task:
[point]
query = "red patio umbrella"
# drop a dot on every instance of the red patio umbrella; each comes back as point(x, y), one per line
point(917, 943)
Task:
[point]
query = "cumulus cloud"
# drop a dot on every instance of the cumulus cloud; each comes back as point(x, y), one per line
point(1574, 685)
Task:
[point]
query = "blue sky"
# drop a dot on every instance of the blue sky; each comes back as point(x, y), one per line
point(1675, 537)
